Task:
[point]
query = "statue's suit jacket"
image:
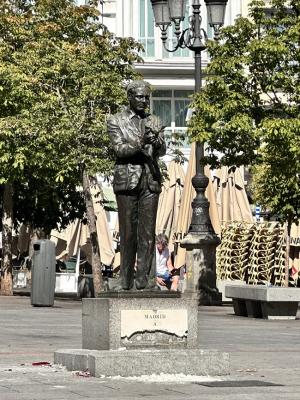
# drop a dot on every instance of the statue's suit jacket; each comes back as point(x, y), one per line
point(127, 134)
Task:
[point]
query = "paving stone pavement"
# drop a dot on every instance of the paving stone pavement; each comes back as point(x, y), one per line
point(264, 351)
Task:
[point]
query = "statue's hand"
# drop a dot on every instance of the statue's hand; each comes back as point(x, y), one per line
point(150, 137)
point(153, 124)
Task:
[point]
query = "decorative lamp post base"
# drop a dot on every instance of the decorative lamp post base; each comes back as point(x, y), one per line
point(200, 243)
point(201, 269)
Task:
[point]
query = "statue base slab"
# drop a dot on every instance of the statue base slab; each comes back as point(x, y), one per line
point(124, 335)
point(144, 362)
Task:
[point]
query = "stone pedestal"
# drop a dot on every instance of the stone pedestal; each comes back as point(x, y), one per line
point(201, 268)
point(142, 333)
point(158, 322)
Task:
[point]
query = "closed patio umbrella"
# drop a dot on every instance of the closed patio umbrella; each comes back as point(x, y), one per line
point(232, 201)
point(67, 239)
point(104, 235)
point(76, 235)
point(169, 200)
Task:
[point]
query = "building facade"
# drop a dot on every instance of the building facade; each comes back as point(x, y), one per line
point(170, 73)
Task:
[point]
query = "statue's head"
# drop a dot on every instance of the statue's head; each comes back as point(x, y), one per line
point(138, 93)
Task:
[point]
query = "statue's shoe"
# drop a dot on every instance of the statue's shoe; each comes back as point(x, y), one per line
point(120, 288)
point(148, 288)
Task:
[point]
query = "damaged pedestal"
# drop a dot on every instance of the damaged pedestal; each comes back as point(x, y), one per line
point(139, 322)
point(137, 333)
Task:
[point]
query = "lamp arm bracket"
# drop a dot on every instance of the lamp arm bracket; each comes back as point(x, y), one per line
point(181, 43)
point(204, 35)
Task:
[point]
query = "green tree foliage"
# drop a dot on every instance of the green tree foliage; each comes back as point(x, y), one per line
point(276, 177)
point(61, 73)
point(248, 112)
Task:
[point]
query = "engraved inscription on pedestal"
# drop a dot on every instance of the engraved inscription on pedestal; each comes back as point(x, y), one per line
point(149, 328)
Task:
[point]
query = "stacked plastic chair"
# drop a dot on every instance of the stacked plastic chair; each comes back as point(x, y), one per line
point(254, 253)
point(262, 253)
point(279, 264)
point(233, 252)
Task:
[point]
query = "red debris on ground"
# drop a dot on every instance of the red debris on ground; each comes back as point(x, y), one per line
point(40, 363)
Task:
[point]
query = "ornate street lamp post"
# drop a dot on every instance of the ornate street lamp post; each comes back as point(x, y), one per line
point(201, 240)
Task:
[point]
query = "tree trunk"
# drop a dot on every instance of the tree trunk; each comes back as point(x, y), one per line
point(287, 252)
point(91, 218)
point(7, 226)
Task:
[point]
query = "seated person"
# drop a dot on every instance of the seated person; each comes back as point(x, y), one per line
point(166, 276)
point(61, 260)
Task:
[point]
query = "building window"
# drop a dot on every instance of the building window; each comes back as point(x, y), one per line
point(210, 31)
point(171, 106)
point(146, 28)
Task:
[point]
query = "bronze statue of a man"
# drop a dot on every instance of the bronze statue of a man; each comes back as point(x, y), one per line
point(137, 139)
